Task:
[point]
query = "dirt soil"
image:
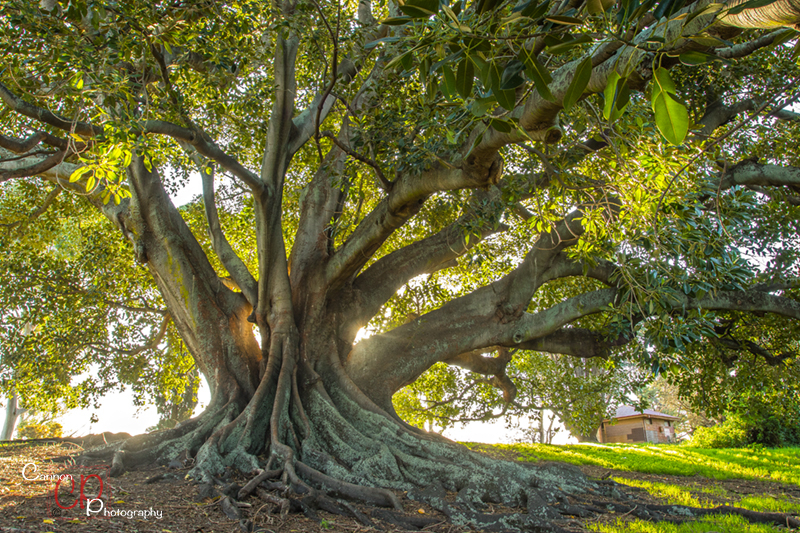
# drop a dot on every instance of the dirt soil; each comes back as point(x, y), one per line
point(159, 499)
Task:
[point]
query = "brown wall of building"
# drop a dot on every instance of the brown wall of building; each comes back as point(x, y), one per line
point(639, 429)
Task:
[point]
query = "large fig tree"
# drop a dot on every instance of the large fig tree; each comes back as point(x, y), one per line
point(558, 176)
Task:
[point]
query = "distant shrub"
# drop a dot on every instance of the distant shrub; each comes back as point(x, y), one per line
point(774, 432)
point(733, 433)
point(37, 430)
point(738, 431)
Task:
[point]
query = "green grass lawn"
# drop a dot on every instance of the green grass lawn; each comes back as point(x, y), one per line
point(779, 464)
point(782, 465)
point(708, 524)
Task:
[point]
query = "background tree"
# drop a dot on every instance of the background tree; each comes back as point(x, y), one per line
point(581, 393)
point(77, 318)
point(665, 397)
point(750, 372)
point(497, 150)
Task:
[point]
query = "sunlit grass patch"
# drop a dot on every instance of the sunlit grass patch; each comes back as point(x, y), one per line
point(769, 504)
point(716, 523)
point(673, 494)
point(776, 464)
point(678, 495)
point(714, 491)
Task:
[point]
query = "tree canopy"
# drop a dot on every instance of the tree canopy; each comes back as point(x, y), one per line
point(591, 179)
point(79, 318)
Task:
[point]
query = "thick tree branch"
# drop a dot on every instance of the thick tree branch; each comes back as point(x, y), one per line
point(198, 139)
point(536, 325)
point(475, 361)
point(404, 201)
point(789, 116)
point(307, 122)
point(747, 301)
point(206, 147)
point(230, 260)
point(40, 166)
point(753, 348)
point(718, 114)
point(21, 146)
point(747, 48)
point(274, 300)
point(44, 116)
point(575, 342)
point(753, 173)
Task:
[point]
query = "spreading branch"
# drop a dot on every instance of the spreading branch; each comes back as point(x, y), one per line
point(405, 199)
point(229, 258)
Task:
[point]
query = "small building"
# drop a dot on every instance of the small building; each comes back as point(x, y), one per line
point(630, 425)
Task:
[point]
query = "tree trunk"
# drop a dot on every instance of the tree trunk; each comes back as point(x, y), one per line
point(12, 415)
point(582, 435)
point(289, 405)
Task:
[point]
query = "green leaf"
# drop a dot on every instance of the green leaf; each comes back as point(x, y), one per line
point(506, 98)
point(706, 10)
point(622, 99)
point(420, 8)
point(661, 77)
point(373, 44)
point(598, 6)
point(578, 84)
point(450, 14)
point(77, 81)
point(501, 125)
point(567, 21)
point(672, 118)
point(787, 35)
point(487, 5)
point(449, 85)
point(403, 60)
point(396, 21)
point(752, 4)
point(695, 58)
point(511, 78)
point(477, 44)
point(537, 73)
point(481, 106)
point(569, 45)
point(610, 94)
point(465, 74)
point(78, 173)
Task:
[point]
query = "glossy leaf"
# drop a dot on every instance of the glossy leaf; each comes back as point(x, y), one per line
point(465, 75)
point(672, 118)
point(583, 73)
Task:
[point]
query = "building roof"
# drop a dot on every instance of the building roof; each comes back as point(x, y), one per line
point(627, 411)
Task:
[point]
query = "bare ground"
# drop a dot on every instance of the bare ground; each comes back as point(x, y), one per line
point(175, 505)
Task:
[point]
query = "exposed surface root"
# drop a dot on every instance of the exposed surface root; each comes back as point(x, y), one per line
point(183, 440)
